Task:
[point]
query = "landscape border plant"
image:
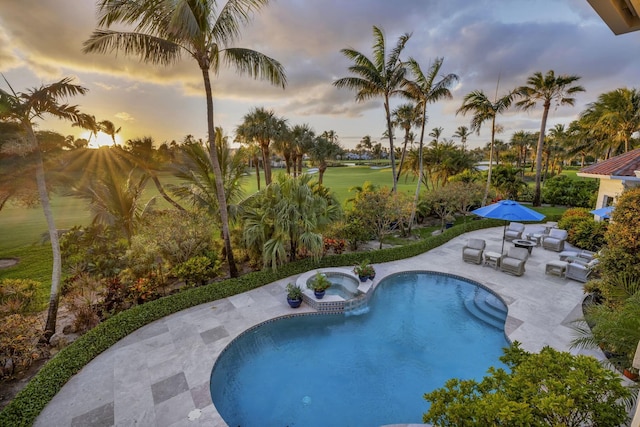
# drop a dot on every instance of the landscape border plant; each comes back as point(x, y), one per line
point(29, 402)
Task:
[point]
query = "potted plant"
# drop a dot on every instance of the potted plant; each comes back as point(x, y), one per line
point(364, 271)
point(319, 284)
point(294, 295)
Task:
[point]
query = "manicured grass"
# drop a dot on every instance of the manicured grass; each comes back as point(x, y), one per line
point(341, 179)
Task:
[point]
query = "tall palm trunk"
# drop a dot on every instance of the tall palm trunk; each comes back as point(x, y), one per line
point(420, 168)
point(266, 163)
point(163, 193)
point(488, 187)
point(545, 113)
point(217, 172)
point(404, 152)
point(54, 297)
point(391, 149)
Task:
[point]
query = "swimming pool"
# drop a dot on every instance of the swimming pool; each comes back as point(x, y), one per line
point(367, 370)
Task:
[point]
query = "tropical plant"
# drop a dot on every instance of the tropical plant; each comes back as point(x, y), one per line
point(286, 218)
point(406, 116)
point(116, 202)
point(24, 108)
point(507, 182)
point(364, 269)
point(463, 133)
point(319, 283)
point(262, 127)
point(383, 75)
point(615, 117)
point(141, 153)
point(322, 150)
point(199, 185)
point(294, 292)
point(425, 89)
point(165, 30)
point(484, 109)
point(549, 388)
point(107, 127)
point(546, 88)
point(303, 137)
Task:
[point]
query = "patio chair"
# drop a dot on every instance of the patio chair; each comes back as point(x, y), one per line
point(472, 251)
point(513, 261)
point(514, 231)
point(580, 271)
point(555, 240)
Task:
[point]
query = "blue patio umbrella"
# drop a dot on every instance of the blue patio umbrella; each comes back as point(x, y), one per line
point(603, 212)
point(508, 210)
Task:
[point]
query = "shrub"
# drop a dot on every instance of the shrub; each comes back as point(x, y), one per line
point(17, 295)
point(198, 269)
point(562, 190)
point(589, 234)
point(19, 337)
point(81, 300)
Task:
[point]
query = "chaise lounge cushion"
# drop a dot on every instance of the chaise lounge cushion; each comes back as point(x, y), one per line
point(513, 261)
point(514, 231)
point(555, 240)
point(472, 251)
point(580, 271)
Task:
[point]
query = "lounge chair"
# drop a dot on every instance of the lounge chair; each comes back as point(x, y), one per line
point(513, 261)
point(555, 240)
point(472, 251)
point(514, 231)
point(580, 271)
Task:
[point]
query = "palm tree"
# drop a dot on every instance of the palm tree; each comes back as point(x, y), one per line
point(109, 128)
point(616, 116)
point(384, 76)
point(198, 185)
point(406, 116)
point(322, 150)
point(88, 122)
point(263, 127)
point(115, 201)
point(143, 155)
point(424, 89)
point(165, 30)
point(303, 137)
point(546, 88)
point(483, 109)
point(24, 108)
point(463, 133)
point(286, 216)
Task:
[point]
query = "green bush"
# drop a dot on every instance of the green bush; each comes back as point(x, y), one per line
point(562, 190)
point(26, 406)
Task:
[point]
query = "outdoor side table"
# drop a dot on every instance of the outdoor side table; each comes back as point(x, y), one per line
point(557, 268)
point(535, 237)
point(492, 259)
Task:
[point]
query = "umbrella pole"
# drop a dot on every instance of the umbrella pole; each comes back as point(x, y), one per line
point(504, 235)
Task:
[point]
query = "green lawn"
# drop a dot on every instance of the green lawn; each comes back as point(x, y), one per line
point(22, 229)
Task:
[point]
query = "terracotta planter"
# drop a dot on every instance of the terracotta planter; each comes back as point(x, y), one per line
point(631, 375)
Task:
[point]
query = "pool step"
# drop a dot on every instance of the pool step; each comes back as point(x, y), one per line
point(486, 307)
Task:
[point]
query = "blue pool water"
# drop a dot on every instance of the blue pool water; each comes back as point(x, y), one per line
point(367, 370)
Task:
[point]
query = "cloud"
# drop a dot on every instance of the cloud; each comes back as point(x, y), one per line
point(483, 42)
point(124, 116)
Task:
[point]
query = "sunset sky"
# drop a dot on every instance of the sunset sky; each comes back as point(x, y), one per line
point(481, 41)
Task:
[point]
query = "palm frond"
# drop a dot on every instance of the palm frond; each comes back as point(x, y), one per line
point(256, 65)
point(151, 49)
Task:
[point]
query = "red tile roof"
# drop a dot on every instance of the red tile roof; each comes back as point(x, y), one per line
point(622, 165)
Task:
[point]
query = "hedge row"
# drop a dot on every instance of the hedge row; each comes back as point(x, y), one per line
point(28, 404)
